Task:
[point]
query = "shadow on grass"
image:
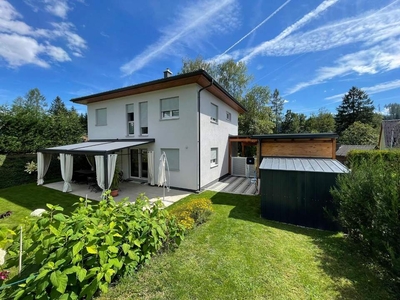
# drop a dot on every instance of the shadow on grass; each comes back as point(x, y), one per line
point(340, 259)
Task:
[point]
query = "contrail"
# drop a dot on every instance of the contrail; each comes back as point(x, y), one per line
point(255, 28)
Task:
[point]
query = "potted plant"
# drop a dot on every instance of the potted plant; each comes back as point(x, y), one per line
point(115, 182)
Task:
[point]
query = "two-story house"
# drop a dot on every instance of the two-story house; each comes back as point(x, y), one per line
point(188, 116)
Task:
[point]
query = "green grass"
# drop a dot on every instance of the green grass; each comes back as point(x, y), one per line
point(23, 199)
point(238, 255)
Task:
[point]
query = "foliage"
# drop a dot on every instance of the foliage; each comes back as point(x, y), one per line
point(27, 126)
point(359, 134)
point(320, 123)
point(116, 179)
point(193, 213)
point(393, 111)
point(368, 202)
point(78, 255)
point(229, 74)
point(356, 106)
point(356, 157)
point(12, 170)
point(293, 123)
point(277, 103)
point(258, 118)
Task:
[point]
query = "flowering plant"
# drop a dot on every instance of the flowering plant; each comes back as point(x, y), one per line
point(30, 167)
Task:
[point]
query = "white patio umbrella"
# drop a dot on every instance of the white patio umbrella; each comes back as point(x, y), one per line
point(162, 173)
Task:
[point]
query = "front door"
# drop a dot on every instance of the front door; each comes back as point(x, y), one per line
point(139, 164)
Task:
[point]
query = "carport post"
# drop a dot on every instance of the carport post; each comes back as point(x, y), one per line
point(105, 172)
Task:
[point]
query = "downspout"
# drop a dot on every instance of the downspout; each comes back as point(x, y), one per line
point(198, 125)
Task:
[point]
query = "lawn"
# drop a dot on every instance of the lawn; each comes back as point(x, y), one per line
point(238, 255)
point(22, 200)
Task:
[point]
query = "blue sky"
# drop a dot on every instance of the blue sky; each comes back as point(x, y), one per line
point(312, 51)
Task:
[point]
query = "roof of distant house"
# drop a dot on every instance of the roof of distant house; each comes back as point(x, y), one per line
point(201, 77)
point(391, 133)
point(345, 149)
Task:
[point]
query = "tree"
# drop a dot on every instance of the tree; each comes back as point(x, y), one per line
point(57, 107)
point(359, 134)
point(277, 103)
point(258, 118)
point(231, 75)
point(393, 111)
point(293, 123)
point(356, 106)
point(322, 122)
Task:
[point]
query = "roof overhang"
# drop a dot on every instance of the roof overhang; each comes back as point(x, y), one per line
point(97, 147)
point(199, 77)
point(296, 136)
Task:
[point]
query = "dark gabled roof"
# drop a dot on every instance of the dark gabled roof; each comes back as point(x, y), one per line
point(200, 77)
point(344, 149)
point(391, 133)
point(296, 136)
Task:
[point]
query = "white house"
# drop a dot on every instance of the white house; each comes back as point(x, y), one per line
point(188, 116)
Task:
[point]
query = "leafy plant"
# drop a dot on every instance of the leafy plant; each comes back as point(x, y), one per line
point(368, 202)
point(193, 213)
point(76, 256)
point(30, 167)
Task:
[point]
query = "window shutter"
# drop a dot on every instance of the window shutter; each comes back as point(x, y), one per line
point(214, 153)
point(143, 114)
point(101, 115)
point(129, 108)
point(170, 104)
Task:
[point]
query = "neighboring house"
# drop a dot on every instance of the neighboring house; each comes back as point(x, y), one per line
point(188, 116)
point(341, 153)
point(389, 136)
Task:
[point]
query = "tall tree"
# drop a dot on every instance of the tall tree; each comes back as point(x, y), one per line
point(293, 123)
point(57, 107)
point(258, 118)
point(393, 111)
point(277, 103)
point(231, 75)
point(322, 122)
point(359, 134)
point(356, 106)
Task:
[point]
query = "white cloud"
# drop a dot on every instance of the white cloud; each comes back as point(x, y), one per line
point(264, 47)
point(59, 8)
point(191, 26)
point(22, 44)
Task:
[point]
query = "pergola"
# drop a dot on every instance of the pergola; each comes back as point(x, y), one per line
point(103, 152)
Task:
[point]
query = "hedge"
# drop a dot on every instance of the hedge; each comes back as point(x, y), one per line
point(355, 157)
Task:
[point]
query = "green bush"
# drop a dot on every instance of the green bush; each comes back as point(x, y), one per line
point(73, 257)
point(356, 157)
point(368, 202)
point(193, 213)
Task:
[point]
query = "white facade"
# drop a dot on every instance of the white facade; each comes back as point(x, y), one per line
point(175, 133)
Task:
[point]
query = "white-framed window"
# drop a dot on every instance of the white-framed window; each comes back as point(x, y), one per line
point(214, 113)
point(214, 157)
point(130, 116)
point(228, 116)
point(172, 157)
point(169, 108)
point(101, 117)
point(144, 129)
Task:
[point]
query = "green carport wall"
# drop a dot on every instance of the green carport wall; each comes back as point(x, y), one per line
point(296, 191)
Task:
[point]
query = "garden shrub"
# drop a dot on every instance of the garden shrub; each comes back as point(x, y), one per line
point(356, 157)
point(368, 200)
point(76, 256)
point(193, 213)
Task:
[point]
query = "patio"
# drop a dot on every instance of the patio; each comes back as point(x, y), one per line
point(130, 189)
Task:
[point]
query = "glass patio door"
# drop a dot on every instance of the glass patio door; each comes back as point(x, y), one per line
point(139, 164)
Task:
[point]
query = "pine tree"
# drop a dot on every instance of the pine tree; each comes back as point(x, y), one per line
point(356, 106)
point(277, 103)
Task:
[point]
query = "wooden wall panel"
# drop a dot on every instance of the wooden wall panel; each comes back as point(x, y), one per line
point(313, 148)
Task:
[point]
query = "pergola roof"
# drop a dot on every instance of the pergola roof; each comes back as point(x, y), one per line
point(97, 147)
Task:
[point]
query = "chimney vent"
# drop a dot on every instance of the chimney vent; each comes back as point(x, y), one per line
point(167, 73)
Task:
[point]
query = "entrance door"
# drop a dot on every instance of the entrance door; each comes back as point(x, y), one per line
point(139, 164)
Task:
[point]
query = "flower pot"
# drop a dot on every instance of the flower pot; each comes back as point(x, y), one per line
point(114, 193)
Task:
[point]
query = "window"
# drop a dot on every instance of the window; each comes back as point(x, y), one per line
point(214, 157)
point(170, 108)
point(228, 116)
point(144, 129)
point(214, 113)
point(101, 117)
point(131, 119)
point(173, 158)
